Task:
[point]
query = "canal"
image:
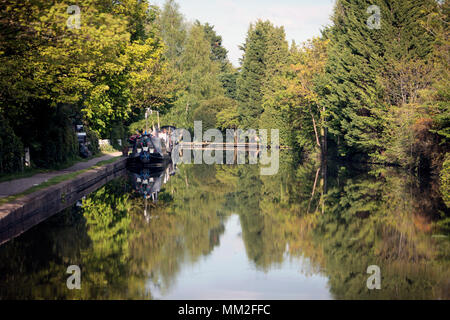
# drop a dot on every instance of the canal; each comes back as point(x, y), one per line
point(226, 232)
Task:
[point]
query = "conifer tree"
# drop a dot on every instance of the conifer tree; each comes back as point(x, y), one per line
point(252, 76)
point(367, 66)
point(276, 59)
point(218, 52)
point(352, 71)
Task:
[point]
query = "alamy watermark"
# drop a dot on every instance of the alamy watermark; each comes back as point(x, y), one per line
point(74, 21)
point(231, 149)
point(374, 281)
point(74, 281)
point(374, 21)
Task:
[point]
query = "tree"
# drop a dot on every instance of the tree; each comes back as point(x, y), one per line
point(174, 31)
point(228, 78)
point(218, 52)
point(252, 76)
point(276, 59)
point(413, 80)
point(445, 180)
point(228, 118)
point(351, 73)
point(11, 148)
point(370, 69)
point(295, 103)
point(199, 79)
point(93, 74)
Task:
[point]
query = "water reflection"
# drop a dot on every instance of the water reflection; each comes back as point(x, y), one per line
point(226, 232)
point(148, 183)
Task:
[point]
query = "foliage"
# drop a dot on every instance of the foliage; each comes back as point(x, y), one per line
point(218, 52)
point(378, 95)
point(209, 111)
point(370, 70)
point(53, 141)
point(96, 71)
point(276, 59)
point(93, 138)
point(300, 96)
point(228, 118)
point(445, 180)
point(229, 82)
point(173, 30)
point(11, 149)
point(197, 59)
point(252, 75)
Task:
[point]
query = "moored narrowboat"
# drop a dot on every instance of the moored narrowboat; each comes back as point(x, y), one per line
point(149, 151)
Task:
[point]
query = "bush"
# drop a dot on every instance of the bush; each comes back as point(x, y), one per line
point(118, 131)
point(445, 180)
point(51, 136)
point(108, 148)
point(93, 138)
point(11, 149)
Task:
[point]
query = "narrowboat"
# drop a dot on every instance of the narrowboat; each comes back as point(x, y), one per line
point(151, 149)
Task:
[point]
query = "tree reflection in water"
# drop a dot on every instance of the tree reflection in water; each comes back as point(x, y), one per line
point(341, 219)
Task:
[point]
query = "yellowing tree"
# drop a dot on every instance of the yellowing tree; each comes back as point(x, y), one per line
point(300, 95)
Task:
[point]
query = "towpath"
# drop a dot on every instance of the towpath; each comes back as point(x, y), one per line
point(14, 187)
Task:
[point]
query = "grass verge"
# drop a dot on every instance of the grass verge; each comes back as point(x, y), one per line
point(29, 172)
point(55, 180)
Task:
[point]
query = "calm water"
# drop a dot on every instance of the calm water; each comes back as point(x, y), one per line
point(225, 232)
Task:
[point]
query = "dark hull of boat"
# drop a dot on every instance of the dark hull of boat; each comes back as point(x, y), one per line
point(155, 160)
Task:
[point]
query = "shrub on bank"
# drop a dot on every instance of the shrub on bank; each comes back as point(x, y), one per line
point(11, 149)
point(445, 180)
point(93, 138)
point(52, 137)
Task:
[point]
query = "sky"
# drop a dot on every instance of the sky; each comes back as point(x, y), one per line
point(302, 19)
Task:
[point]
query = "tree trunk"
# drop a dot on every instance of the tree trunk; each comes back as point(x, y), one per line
point(314, 189)
point(324, 133)
point(315, 130)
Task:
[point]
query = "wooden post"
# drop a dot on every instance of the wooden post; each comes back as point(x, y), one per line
point(159, 124)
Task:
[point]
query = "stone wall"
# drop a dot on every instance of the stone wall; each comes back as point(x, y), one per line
point(24, 213)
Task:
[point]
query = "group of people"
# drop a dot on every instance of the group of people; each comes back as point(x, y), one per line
point(141, 135)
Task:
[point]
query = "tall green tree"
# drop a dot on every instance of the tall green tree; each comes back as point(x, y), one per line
point(174, 31)
point(276, 59)
point(298, 100)
point(253, 73)
point(199, 79)
point(372, 67)
point(218, 52)
point(352, 71)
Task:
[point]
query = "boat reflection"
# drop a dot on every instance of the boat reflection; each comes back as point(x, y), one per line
point(148, 182)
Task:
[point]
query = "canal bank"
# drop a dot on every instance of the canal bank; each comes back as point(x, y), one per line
point(20, 215)
point(22, 185)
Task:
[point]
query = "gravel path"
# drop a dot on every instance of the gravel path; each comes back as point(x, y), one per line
point(10, 188)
